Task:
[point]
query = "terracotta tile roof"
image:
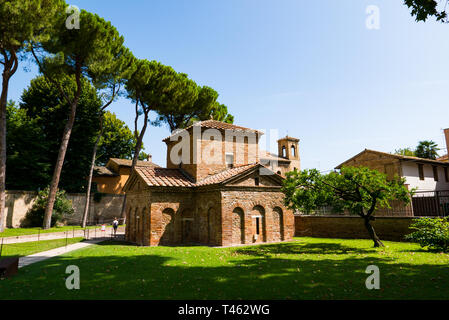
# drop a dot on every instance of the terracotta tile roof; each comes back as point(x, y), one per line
point(214, 124)
point(128, 163)
point(396, 156)
point(225, 175)
point(164, 177)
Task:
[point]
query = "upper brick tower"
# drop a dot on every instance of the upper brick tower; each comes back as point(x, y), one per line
point(288, 148)
point(208, 147)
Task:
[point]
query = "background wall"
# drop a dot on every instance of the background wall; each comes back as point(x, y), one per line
point(19, 202)
point(387, 228)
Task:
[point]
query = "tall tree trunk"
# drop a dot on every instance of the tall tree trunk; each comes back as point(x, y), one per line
point(3, 102)
point(10, 65)
point(61, 155)
point(137, 149)
point(372, 233)
point(91, 172)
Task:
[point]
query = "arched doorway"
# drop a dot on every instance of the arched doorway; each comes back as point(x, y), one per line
point(187, 226)
point(259, 224)
point(278, 224)
point(167, 226)
point(238, 226)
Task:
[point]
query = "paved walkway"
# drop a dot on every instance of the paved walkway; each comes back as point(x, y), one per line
point(40, 256)
point(89, 234)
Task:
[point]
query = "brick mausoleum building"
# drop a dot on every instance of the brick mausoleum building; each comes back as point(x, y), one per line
point(214, 191)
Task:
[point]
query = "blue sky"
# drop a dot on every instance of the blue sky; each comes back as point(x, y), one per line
point(307, 68)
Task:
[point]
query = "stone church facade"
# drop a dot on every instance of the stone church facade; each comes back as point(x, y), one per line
point(214, 191)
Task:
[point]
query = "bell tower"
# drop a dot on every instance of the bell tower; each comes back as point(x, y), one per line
point(288, 148)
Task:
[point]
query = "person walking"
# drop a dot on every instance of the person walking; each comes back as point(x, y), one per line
point(115, 225)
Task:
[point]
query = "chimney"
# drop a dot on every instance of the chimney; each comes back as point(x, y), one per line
point(150, 158)
point(446, 135)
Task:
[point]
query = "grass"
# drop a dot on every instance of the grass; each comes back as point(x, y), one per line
point(27, 248)
point(14, 232)
point(307, 268)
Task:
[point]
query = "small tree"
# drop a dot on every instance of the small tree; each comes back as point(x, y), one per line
point(427, 149)
point(358, 190)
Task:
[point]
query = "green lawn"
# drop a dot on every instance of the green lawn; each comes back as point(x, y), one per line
point(307, 268)
point(14, 232)
point(27, 248)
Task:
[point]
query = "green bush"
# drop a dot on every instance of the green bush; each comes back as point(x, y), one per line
point(432, 233)
point(35, 216)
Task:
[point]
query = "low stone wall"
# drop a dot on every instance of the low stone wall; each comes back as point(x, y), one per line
point(19, 202)
point(351, 227)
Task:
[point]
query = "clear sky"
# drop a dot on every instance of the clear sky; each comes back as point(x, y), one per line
point(307, 68)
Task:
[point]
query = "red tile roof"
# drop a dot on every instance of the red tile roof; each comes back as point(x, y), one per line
point(164, 177)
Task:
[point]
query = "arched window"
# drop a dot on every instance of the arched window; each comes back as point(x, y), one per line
point(284, 153)
point(293, 151)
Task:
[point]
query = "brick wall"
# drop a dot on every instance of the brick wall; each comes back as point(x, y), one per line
point(352, 227)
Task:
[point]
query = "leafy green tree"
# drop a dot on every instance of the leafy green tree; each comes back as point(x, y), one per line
point(357, 190)
point(405, 152)
point(20, 22)
point(27, 151)
point(187, 103)
point(427, 149)
point(109, 83)
point(423, 9)
point(85, 52)
point(34, 129)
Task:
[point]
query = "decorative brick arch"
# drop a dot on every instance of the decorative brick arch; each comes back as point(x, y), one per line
point(212, 225)
point(238, 226)
point(186, 224)
point(277, 221)
point(167, 225)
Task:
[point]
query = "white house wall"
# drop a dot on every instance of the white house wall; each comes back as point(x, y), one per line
point(411, 173)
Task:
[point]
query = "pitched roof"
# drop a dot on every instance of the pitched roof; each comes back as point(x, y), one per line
point(396, 156)
point(163, 177)
point(214, 124)
point(128, 163)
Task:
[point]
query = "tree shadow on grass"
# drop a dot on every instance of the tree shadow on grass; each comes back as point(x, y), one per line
point(301, 248)
point(154, 273)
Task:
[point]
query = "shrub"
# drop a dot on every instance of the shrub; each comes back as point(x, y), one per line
point(35, 216)
point(431, 232)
